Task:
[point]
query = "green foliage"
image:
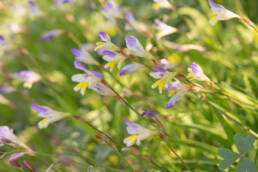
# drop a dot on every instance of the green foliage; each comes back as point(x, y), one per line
point(229, 157)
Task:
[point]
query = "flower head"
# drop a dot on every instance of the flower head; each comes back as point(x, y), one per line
point(196, 72)
point(7, 136)
point(61, 2)
point(103, 90)
point(164, 29)
point(178, 89)
point(130, 20)
point(82, 55)
point(170, 62)
point(135, 46)
point(150, 113)
point(2, 40)
point(28, 77)
point(35, 11)
point(111, 11)
point(162, 4)
point(113, 59)
point(138, 133)
point(49, 115)
point(220, 13)
point(130, 68)
point(163, 76)
point(13, 160)
point(50, 34)
point(105, 43)
point(85, 80)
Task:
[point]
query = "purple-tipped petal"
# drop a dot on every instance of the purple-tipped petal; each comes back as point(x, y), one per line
point(213, 4)
point(173, 86)
point(160, 69)
point(76, 52)
point(196, 68)
point(50, 35)
point(158, 22)
point(32, 4)
point(24, 73)
point(149, 113)
point(13, 160)
point(97, 74)
point(130, 124)
point(130, 68)
point(1, 38)
point(79, 65)
point(39, 108)
point(131, 42)
point(104, 36)
point(109, 53)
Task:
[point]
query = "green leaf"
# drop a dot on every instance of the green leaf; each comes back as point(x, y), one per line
point(228, 156)
point(243, 144)
point(245, 165)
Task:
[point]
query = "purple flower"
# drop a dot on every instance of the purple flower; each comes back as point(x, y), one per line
point(34, 8)
point(150, 113)
point(109, 53)
point(2, 40)
point(82, 55)
point(28, 77)
point(103, 90)
point(104, 36)
point(109, 6)
point(79, 65)
point(97, 74)
point(129, 18)
point(137, 132)
point(164, 29)
point(130, 68)
point(49, 115)
point(7, 136)
point(220, 13)
point(196, 72)
point(50, 34)
point(179, 95)
point(61, 2)
point(135, 46)
point(160, 69)
point(13, 160)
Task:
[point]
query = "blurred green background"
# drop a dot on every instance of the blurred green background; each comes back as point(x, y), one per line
point(196, 130)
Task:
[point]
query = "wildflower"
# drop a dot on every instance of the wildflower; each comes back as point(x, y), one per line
point(196, 72)
point(7, 136)
point(28, 77)
point(103, 90)
point(2, 40)
point(61, 2)
point(50, 34)
point(179, 89)
point(138, 133)
point(130, 68)
point(35, 11)
point(171, 62)
point(150, 113)
point(162, 4)
point(111, 11)
point(135, 47)
point(13, 160)
point(48, 114)
point(163, 76)
point(88, 79)
point(220, 13)
point(113, 59)
point(164, 29)
point(105, 43)
point(129, 18)
point(82, 55)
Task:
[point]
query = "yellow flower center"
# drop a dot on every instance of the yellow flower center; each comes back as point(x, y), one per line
point(82, 86)
point(99, 44)
point(132, 139)
point(174, 58)
point(161, 83)
point(112, 64)
point(43, 123)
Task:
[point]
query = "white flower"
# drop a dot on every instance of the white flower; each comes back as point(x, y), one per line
point(138, 133)
point(164, 29)
point(48, 114)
